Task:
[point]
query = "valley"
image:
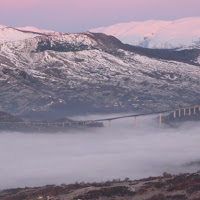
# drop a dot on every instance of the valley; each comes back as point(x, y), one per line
point(59, 93)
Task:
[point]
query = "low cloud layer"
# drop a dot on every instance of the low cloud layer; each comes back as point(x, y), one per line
point(98, 155)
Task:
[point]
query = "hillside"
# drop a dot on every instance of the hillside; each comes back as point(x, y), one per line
point(83, 73)
point(6, 117)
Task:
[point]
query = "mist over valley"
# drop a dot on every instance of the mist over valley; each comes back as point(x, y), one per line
point(36, 159)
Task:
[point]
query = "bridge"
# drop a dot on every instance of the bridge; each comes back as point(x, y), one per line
point(188, 111)
point(176, 114)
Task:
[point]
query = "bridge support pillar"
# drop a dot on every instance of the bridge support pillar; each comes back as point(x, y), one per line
point(160, 119)
point(184, 111)
point(135, 122)
point(189, 111)
point(194, 110)
point(179, 112)
point(109, 123)
point(174, 114)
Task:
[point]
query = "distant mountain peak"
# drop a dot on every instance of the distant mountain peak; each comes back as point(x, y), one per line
point(36, 30)
point(1, 26)
point(20, 33)
point(157, 34)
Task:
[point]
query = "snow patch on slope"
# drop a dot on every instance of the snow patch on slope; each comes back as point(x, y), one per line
point(31, 44)
point(157, 34)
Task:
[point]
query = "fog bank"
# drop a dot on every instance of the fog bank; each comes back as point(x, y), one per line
point(99, 154)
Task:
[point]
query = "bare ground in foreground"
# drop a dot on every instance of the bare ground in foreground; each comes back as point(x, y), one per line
point(180, 187)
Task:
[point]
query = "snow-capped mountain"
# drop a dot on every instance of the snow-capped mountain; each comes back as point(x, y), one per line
point(90, 72)
point(36, 30)
point(1, 26)
point(157, 34)
point(21, 33)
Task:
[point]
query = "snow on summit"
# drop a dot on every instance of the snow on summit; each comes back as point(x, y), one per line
point(11, 34)
point(35, 30)
point(157, 34)
point(21, 33)
point(1, 26)
point(182, 33)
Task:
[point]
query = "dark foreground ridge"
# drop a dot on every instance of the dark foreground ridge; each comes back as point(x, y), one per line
point(169, 187)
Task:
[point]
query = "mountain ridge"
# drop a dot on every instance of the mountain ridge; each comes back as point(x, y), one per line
point(20, 33)
point(156, 33)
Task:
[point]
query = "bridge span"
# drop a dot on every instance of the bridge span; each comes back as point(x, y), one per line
point(175, 114)
point(187, 111)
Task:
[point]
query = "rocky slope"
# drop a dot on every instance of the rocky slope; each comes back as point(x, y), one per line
point(86, 73)
point(157, 34)
point(166, 187)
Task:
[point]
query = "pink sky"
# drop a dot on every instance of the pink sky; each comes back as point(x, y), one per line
point(81, 15)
